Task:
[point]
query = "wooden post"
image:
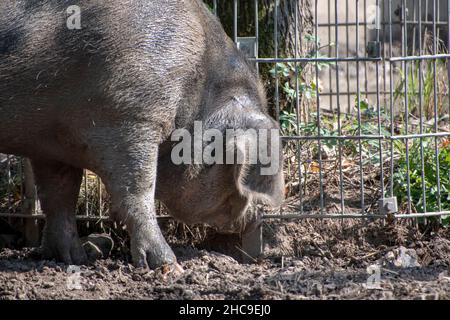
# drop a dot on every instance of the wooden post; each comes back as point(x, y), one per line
point(252, 241)
point(31, 226)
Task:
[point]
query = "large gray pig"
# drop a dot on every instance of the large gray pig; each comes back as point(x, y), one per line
point(106, 96)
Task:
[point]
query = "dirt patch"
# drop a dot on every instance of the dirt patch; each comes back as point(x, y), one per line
point(303, 260)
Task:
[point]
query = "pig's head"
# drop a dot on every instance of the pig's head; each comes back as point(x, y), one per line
point(218, 190)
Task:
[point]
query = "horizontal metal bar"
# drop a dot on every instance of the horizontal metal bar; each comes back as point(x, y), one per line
point(382, 23)
point(333, 137)
point(423, 135)
point(41, 216)
point(344, 93)
point(265, 217)
point(353, 216)
point(420, 58)
point(320, 216)
point(363, 93)
point(322, 59)
point(369, 137)
point(422, 215)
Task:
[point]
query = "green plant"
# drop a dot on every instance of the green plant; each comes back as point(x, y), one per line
point(285, 72)
point(426, 97)
point(10, 186)
point(291, 76)
point(429, 173)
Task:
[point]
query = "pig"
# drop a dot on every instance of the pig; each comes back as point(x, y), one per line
point(106, 95)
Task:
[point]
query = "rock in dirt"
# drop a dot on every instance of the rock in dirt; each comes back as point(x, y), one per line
point(402, 258)
point(444, 276)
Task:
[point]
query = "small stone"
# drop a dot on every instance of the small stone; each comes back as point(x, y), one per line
point(388, 295)
point(403, 258)
point(390, 256)
point(444, 276)
point(431, 296)
point(317, 289)
point(188, 294)
point(136, 277)
point(22, 296)
point(330, 287)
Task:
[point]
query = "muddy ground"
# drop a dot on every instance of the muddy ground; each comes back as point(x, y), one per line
point(303, 260)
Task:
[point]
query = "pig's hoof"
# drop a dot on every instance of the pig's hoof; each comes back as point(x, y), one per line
point(97, 246)
point(66, 250)
point(151, 255)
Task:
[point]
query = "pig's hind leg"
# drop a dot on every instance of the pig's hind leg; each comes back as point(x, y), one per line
point(58, 187)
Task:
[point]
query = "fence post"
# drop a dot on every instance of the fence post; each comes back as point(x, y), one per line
point(31, 226)
point(252, 242)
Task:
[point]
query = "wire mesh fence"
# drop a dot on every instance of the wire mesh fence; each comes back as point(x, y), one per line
point(363, 104)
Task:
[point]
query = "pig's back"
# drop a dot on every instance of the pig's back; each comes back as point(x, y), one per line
point(132, 61)
point(127, 51)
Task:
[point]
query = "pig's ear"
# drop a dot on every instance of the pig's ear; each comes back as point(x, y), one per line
point(259, 177)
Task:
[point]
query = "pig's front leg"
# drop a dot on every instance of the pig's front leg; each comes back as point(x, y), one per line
point(130, 175)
